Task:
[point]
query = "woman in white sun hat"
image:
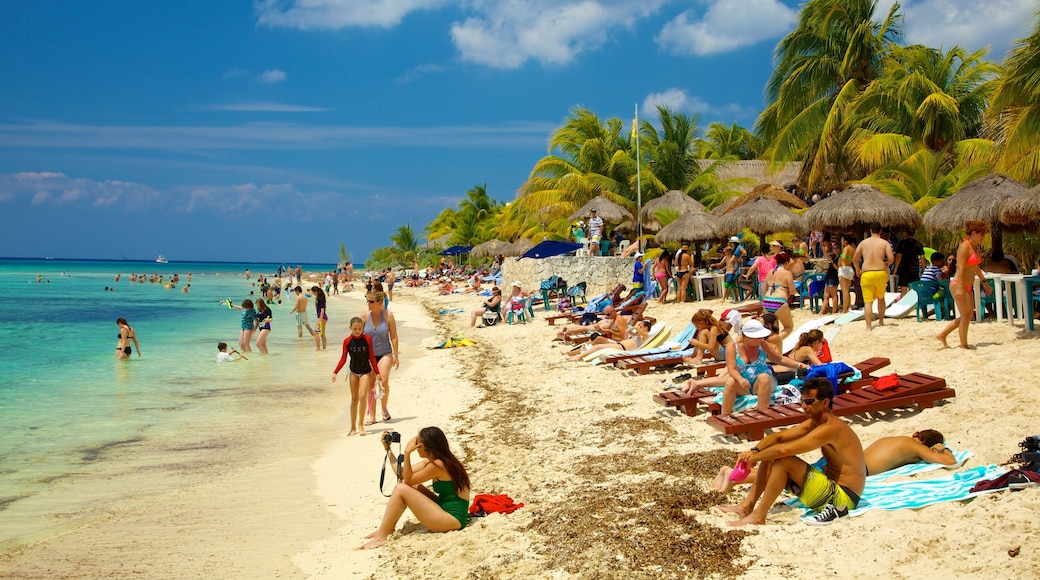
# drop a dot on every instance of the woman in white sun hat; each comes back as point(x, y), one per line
point(747, 365)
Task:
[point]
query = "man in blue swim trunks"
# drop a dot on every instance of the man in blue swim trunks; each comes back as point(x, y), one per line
point(834, 491)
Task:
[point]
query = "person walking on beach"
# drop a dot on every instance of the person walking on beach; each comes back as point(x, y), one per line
point(380, 325)
point(444, 507)
point(872, 260)
point(126, 336)
point(245, 337)
point(320, 340)
point(846, 273)
point(263, 324)
point(969, 261)
point(834, 491)
point(299, 274)
point(300, 310)
point(363, 368)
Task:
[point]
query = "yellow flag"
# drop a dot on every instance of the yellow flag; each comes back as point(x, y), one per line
point(634, 121)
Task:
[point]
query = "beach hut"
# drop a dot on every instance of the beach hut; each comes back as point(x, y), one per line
point(980, 200)
point(693, 226)
point(517, 248)
point(856, 207)
point(672, 199)
point(762, 216)
point(608, 211)
point(488, 249)
point(1023, 210)
point(766, 190)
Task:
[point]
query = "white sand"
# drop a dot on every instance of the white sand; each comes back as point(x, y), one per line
point(527, 423)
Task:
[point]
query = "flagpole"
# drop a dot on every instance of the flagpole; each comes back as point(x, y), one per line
point(639, 183)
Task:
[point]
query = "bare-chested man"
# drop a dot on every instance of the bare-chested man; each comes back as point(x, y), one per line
point(877, 258)
point(612, 326)
point(834, 491)
point(883, 455)
point(300, 310)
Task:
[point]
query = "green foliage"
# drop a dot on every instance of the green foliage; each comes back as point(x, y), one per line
point(1015, 113)
point(344, 255)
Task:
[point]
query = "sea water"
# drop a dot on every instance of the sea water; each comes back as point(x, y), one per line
point(71, 415)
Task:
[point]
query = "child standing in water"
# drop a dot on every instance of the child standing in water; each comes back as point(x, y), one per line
point(363, 369)
point(248, 323)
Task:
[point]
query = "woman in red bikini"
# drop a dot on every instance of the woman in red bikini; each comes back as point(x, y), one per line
point(968, 269)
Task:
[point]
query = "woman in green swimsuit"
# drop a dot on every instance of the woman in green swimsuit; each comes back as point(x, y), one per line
point(443, 509)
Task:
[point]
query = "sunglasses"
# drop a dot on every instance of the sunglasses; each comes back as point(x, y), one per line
point(372, 301)
point(809, 401)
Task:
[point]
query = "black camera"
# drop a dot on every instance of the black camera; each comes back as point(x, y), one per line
point(392, 437)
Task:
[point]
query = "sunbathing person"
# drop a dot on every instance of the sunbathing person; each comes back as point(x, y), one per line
point(611, 325)
point(637, 338)
point(493, 304)
point(711, 338)
point(834, 491)
point(883, 455)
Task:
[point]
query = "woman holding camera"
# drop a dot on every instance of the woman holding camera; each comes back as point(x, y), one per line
point(443, 509)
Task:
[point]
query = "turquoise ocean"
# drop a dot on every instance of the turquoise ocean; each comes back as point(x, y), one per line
point(73, 418)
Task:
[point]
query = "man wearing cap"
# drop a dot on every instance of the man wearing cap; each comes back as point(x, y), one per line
point(595, 229)
point(637, 273)
point(738, 250)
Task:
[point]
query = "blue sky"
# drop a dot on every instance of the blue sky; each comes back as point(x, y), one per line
point(275, 130)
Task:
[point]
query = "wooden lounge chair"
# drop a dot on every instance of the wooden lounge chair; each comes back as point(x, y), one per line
point(689, 402)
point(643, 364)
point(914, 389)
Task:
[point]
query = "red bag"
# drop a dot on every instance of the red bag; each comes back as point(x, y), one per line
point(886, 382)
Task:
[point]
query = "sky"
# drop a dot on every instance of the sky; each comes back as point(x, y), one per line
point(276, 130)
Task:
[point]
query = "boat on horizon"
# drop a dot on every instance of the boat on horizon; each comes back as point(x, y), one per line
point(162, 259)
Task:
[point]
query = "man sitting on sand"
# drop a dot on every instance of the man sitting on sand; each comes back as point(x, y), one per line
point(834, 491)
point(883, 455)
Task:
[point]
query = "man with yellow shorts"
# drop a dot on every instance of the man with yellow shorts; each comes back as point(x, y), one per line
point(872, 260)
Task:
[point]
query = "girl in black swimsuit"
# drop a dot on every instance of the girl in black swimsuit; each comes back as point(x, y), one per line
point(126, 336)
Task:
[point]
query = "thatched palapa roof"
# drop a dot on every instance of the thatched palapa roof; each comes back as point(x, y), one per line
point(488, 249)
point(980, 200)
point(672, 199)
point(762, 215)
point(692, 226)
point(767, 190)
point(517, 248)
point(755, 169)
point(608, 211)
point(1024, 209)
point(856, 206)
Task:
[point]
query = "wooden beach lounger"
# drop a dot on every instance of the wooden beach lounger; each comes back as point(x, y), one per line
point(643, 364)
point(688, 402)
point(913, 389)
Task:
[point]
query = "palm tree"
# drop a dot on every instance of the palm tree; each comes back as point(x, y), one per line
point(405, 243)
point(926, 177)
point(927, 97)
point(1015, 112)
point(723, 142)
point(833, 54)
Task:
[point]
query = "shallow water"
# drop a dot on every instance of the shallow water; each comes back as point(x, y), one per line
point(81, 428)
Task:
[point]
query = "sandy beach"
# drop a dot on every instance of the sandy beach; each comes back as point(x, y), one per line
point(613, 485)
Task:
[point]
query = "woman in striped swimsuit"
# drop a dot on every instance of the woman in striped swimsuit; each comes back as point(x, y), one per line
point(779, 289)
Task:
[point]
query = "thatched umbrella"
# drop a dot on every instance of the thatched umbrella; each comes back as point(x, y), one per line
point(488, 249)
point(856, 207)
point(694, 226)
point(766, 190)
point(762, 216)
point(1024, 209)
point(441, 241)
point(979, 200)
point(608, 211)
point(517, 248)
point(673, 199)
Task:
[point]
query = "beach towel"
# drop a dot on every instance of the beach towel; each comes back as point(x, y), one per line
point(451, 311)
point(484, 504)
point(897, 495)
point(454, 343)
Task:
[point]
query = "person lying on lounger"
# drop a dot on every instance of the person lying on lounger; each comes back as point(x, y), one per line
point(638, 336)
point(612, 325)
point(883, 455)
point(834, 491)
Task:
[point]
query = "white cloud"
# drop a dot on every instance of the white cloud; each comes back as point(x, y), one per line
point(678, 100)
point(726, 25)
point(968, 23)
point(272, 76)
point(508, 34)
point(59, 189)
point(263, 108)
point(417, 72)
point(338, 14)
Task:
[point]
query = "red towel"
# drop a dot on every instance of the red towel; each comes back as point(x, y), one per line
point(485, 503)
point(886, 382)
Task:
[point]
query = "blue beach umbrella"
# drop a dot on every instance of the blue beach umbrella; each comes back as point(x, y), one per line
point(550, 248)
